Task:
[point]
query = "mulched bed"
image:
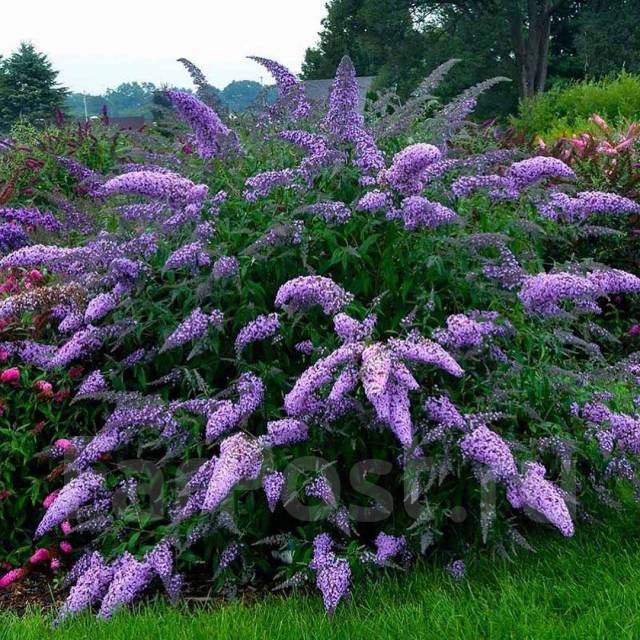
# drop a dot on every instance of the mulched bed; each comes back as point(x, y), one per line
point(35, 590)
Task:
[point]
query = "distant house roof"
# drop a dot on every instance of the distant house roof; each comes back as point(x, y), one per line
point(318, 90)
point(126, 123)
point(130, 123)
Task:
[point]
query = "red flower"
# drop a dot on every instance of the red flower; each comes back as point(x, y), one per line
point(76, 372)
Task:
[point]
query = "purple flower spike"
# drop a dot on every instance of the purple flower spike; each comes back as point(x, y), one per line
point(306, 291)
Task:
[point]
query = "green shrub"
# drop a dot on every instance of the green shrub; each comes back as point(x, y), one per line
point(565, 109)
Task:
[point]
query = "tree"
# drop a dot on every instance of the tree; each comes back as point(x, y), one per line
point(240, 94)
point(529, 40)
point(130, 98)
point(609, 39)
point(29, 88)
point(530, 25)
point(75, 103)
point(378, 35)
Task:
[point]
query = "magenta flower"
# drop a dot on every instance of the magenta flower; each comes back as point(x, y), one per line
point(10, 376)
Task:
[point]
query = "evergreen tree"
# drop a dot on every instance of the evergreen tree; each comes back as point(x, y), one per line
point(29, 88)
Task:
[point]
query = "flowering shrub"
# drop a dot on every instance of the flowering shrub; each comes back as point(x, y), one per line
point(309, 353)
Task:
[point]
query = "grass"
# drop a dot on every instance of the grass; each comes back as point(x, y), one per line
point(585, 587)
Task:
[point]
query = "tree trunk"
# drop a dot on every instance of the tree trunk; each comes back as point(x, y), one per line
point(531, 51)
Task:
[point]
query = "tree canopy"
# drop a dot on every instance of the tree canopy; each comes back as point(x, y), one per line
point(534, 42)
point(28, 87)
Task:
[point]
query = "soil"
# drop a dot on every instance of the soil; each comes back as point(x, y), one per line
point(33, 591)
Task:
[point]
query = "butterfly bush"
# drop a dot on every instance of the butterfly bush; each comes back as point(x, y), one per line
point(291, 96)
point(259, 327)
point(212, 136)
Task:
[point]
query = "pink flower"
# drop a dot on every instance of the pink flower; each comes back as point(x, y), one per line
point(4, 355)
point(55, 564)
point(49, 500)
point(12, 576)
point(601, 122)
point(63, 443)
point(11, 375)
point(35, 275)
point(66, 547)
point(187, 148)
point(634, 330)
point(44, 387)
point(66, 527)
point(40, 556)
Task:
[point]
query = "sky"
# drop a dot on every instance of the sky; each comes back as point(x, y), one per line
point(96, 45)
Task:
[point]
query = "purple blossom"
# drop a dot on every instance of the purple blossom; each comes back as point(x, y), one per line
point(306, 347)
point(418, 349)
point(31, 217)
point(194, 327)
point(81, 345)
point(302, 399)
point(388, 547)
point(543, 293)
point(561, 206)
point(273, 485)
point(73, 495)
point(417, 212)
point(212, 136)
point(306, 291)
point(542, 496)
point(229, 415)
point(350, 330)
point(94, 384)
point(286, 431)
point(264, 183)
point(99, 307)
point(12, 237)
point(374, 200)
point(329, 211)
point(499, 187)
point(228, 555)
point(333, 574)
point(170, 188)
point(532, 170)
point(264, 326)
point(457, 569)
point(90, 586)
point(291, 97)
point(488, 448)
point(469, 331)
point(130, 578)
point(407, 173)
point(445, 413)
point(321, 489)
point(345, 122)
point(190, 256)
point(240, 459)
point(225, 267)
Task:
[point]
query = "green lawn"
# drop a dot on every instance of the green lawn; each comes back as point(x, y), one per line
point(587, 587)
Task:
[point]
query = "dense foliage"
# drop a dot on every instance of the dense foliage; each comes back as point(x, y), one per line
point(566, 109)
point(305, 346)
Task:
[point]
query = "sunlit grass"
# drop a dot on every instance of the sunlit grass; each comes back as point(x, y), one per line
point(586, 587)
